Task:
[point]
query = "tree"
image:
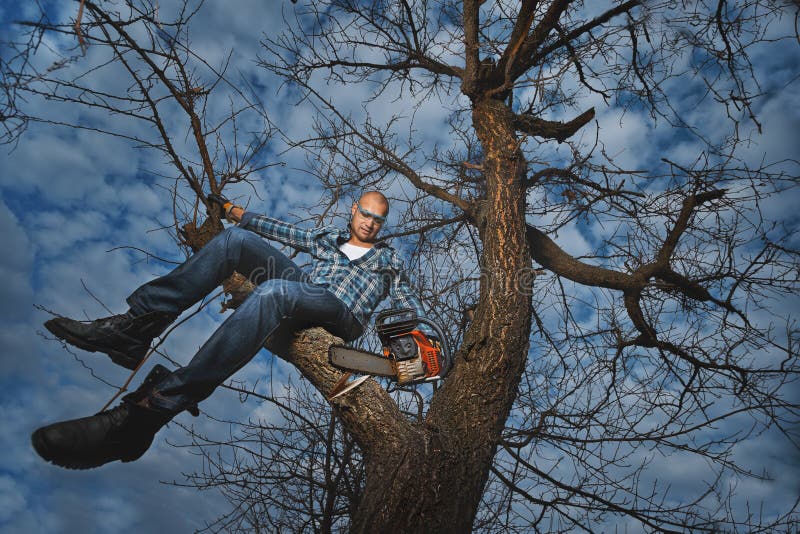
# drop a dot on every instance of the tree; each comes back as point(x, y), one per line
point(646, 345)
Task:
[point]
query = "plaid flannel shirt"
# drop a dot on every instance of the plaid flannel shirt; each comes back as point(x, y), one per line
point(362, 283)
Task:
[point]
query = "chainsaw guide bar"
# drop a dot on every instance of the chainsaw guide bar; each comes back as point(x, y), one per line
point(361, 361)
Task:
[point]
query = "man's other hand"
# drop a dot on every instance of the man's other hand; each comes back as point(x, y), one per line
point(232, 212)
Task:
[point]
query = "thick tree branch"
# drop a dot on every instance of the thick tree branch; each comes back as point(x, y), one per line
point(536, 38)
point(581, 30)
point(560, 131)
point(413, 61)
point(552, 257)
point(368, 412)
point(687, 209)
point(471, 47)
point(519, 34)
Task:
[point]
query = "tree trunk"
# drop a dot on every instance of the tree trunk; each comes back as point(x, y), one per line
point(430, 477)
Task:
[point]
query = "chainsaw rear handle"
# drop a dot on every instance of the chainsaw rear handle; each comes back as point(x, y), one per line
point(447, 355)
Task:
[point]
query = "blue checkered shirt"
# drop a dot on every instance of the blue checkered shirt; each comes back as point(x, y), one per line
point(361, 283)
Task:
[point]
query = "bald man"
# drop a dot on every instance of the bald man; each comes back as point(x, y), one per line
point(352, 272)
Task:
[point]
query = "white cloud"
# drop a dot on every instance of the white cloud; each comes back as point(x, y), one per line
point(627, 137)
point(12, 498)
point(73, 171)
point(780, 116)
point(15, 266)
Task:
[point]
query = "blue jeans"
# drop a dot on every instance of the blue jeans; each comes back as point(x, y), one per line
point(282, 299)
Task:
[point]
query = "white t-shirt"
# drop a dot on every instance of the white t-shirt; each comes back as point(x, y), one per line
point(353, 252)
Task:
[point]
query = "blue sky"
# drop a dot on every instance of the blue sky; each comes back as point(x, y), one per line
point(69, 197)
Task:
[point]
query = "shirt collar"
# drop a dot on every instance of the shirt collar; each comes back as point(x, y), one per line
point(343, 237)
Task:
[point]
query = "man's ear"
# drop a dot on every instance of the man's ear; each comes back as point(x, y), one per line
point(353, 210)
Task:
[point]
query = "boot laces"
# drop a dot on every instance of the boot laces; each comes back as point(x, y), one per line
point(115, 321)
point(117, 413)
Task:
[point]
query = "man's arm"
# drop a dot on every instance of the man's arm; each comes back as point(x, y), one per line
point(284, 232)
point(268, 227)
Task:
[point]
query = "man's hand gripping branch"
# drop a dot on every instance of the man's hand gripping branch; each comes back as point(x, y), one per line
point(232, 212)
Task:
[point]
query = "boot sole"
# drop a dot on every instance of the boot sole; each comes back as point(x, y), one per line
point(43, 450)
point(119, 358)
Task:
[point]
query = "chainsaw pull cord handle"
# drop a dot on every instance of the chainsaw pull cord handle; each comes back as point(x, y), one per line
point(442, 339)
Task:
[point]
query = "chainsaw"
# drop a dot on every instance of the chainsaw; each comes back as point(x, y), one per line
point(409, 356)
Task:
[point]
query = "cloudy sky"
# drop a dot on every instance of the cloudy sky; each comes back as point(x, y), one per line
point(71, 196)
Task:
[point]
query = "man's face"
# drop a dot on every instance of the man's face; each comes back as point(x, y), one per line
point(367, 217)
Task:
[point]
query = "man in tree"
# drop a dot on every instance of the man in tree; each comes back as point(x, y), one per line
point(352, 272)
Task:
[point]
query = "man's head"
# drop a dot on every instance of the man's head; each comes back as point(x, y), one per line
point(367, 216)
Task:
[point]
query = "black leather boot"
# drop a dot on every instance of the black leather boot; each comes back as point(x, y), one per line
point(122, 433)
point(125, 338)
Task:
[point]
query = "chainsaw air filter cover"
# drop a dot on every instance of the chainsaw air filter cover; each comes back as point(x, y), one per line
point(403, 348)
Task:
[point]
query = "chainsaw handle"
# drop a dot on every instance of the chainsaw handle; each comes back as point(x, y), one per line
point(443, 340)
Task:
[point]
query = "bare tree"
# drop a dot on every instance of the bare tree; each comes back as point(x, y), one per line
point(571, 372)
point(672, 347)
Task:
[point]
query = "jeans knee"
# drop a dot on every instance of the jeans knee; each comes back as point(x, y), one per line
point(236, 239)
point(270, 291)
point(226, 237)
point(234, 232)
point(276, 295)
